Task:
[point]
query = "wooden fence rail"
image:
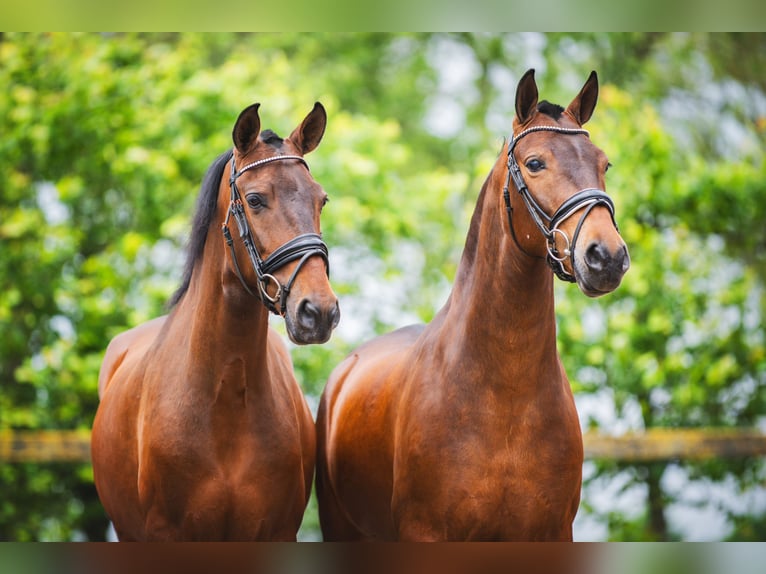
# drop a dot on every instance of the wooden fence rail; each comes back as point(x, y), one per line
point(676, 444)
point(656, 444)
point(45, 446)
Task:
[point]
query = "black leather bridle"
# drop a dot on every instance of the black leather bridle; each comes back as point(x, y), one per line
point(301, 247)
point(549, 226)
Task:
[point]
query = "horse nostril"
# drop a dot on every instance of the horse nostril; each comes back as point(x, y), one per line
point(623, 254)
point(599, 259)
point(308, 314)
point(596, 256)
point(335, 315)
point(311, 317)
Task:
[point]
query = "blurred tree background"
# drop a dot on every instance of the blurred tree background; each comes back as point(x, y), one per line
point(105, 139)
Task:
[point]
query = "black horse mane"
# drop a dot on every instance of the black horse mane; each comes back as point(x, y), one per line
point(472, 237)
point(550, 109)
point(205, 211)
point(203, 217)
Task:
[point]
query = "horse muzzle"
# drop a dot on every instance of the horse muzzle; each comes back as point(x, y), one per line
point(599, 269)
point(312, 321)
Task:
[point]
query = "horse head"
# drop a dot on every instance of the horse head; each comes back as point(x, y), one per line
point(560, 178)
point(276, 204)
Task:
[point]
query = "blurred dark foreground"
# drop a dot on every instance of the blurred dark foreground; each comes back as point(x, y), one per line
point(447, 558)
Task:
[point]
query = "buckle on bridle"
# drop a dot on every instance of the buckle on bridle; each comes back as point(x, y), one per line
point(553, 251)
point(263, 283)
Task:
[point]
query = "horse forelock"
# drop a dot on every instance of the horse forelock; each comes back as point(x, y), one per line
point(550, 109)
point(204, 214)
point(271, 138)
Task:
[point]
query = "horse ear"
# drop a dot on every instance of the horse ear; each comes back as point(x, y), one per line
point(583, 105)
point(246, 130)
point(526, 96)
point(308, 135)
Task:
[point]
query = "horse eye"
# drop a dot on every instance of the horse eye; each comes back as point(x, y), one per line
point(255, 200)
point(608, 165)
point(534, 165)
point(325, 201)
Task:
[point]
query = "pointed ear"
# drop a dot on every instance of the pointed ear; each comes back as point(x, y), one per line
point(308, 135)
point(246, 130)
point(526, 96)
point(583, 105)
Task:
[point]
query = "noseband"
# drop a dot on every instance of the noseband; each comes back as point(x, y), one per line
point(549, 226)
point(301, 247)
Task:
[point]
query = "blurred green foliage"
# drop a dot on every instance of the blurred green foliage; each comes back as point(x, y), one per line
point(105, 138)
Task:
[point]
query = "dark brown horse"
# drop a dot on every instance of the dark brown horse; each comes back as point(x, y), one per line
point(466, 428)
point(203, 432)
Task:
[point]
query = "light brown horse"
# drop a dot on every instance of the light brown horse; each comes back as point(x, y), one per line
point(466, 428)
point(202, 432)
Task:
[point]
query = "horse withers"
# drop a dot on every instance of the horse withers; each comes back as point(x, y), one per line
point(202, 432)
point(466, 428)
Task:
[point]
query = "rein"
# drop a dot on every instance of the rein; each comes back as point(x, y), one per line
point(301, 247)
point(549, 225)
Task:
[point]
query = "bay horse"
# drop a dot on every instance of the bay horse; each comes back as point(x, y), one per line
point(466, 428)
point(202, 432)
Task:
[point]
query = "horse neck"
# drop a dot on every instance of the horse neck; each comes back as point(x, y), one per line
point(224, 323)
point(502, 301)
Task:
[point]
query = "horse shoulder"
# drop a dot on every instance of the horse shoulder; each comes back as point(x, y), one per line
point(132, 341)
point(115, 427)
point(364, 375)
point(356, 434)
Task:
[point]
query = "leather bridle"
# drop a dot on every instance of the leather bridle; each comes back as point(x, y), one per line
point(301, 247)
point(549, 225)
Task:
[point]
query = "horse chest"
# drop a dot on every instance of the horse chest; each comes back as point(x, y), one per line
point(492, 476)
point(225, 461)
point(503, 496)
point(234, 435)
point(215, 487)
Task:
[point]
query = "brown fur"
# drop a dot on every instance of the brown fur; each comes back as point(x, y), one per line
point(466, 429)
point(202, 432)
